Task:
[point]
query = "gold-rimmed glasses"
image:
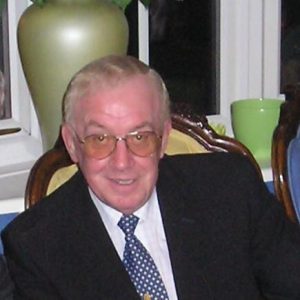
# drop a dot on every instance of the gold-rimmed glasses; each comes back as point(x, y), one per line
point(139, 143)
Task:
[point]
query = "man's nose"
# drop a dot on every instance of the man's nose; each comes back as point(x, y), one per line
point(122, 157)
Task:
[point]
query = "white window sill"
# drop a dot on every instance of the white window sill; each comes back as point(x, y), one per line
point(13, 205)
point(267, 174)
point(19, 151)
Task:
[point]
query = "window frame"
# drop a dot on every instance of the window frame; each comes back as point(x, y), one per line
point(249, 67)
point(249, 51)
point(19, 150)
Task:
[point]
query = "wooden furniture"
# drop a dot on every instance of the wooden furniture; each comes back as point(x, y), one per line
point(191, 133)
point(285, 131)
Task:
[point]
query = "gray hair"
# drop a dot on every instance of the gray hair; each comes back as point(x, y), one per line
point(109, 71)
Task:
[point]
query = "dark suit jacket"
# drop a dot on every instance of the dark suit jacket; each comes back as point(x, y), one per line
point(6, 285)
point(227, 236)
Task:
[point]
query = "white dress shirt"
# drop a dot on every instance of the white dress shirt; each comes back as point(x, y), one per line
point(149, 231)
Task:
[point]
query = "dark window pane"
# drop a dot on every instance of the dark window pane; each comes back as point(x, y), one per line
point(5, 103)
point(132, 17)
point(182, 49)
point(290, 43)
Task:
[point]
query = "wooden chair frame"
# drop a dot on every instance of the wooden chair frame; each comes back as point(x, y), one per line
point(285, 131)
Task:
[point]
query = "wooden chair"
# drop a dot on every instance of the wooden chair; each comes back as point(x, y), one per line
point(191, 133)
point(285, 131)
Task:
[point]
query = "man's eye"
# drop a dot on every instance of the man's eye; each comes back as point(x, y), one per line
point(101, 138)
point(139, 137)
point(98, 139)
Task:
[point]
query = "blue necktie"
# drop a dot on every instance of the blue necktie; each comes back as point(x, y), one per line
point(139, 264)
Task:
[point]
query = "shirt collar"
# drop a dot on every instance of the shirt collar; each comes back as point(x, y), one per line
point(112, 216)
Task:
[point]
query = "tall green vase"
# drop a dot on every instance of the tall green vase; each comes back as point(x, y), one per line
point(59, 38)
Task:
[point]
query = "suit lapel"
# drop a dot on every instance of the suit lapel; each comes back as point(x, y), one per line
point(189, 280)
point(106, 273)
point(96, 249)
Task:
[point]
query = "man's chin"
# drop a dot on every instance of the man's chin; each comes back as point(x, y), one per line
point(127, 206)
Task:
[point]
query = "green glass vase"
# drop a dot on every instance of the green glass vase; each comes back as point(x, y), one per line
point(55, 41)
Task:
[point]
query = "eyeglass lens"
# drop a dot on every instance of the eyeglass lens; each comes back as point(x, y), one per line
point(141, 144)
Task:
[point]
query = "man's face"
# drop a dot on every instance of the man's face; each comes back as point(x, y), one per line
point(122, 180)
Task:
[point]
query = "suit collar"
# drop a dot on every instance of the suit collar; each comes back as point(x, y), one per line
point(174, 194)
point(97, 251)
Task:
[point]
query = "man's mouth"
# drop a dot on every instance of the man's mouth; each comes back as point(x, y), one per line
point(124, 181)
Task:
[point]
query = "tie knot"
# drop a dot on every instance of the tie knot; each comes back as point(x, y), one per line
point(128, 223)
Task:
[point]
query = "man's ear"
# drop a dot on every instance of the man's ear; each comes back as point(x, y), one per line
point(68, 138)
point(165, 136)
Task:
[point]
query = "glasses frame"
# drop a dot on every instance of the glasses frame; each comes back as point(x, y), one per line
point(120, 138)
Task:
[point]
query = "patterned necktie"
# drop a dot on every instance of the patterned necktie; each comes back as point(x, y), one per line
point(139, 264)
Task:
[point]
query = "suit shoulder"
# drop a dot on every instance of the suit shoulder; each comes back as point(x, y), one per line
point(222, 169)
point(213, 162)
point(44, 213)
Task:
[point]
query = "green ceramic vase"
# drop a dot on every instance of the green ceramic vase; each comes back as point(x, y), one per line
point(253, 124)
point(59, 38)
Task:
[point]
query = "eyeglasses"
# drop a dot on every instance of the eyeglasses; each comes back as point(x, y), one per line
point(140, 143)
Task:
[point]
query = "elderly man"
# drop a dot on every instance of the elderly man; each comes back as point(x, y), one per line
point(133, 223)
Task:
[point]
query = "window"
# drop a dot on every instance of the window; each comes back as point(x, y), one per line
point(183, 48)
point(245, 64)
point(249, 51)
point(290, 43)
point(5, 108)
point(18, 150)
point(241, 38)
